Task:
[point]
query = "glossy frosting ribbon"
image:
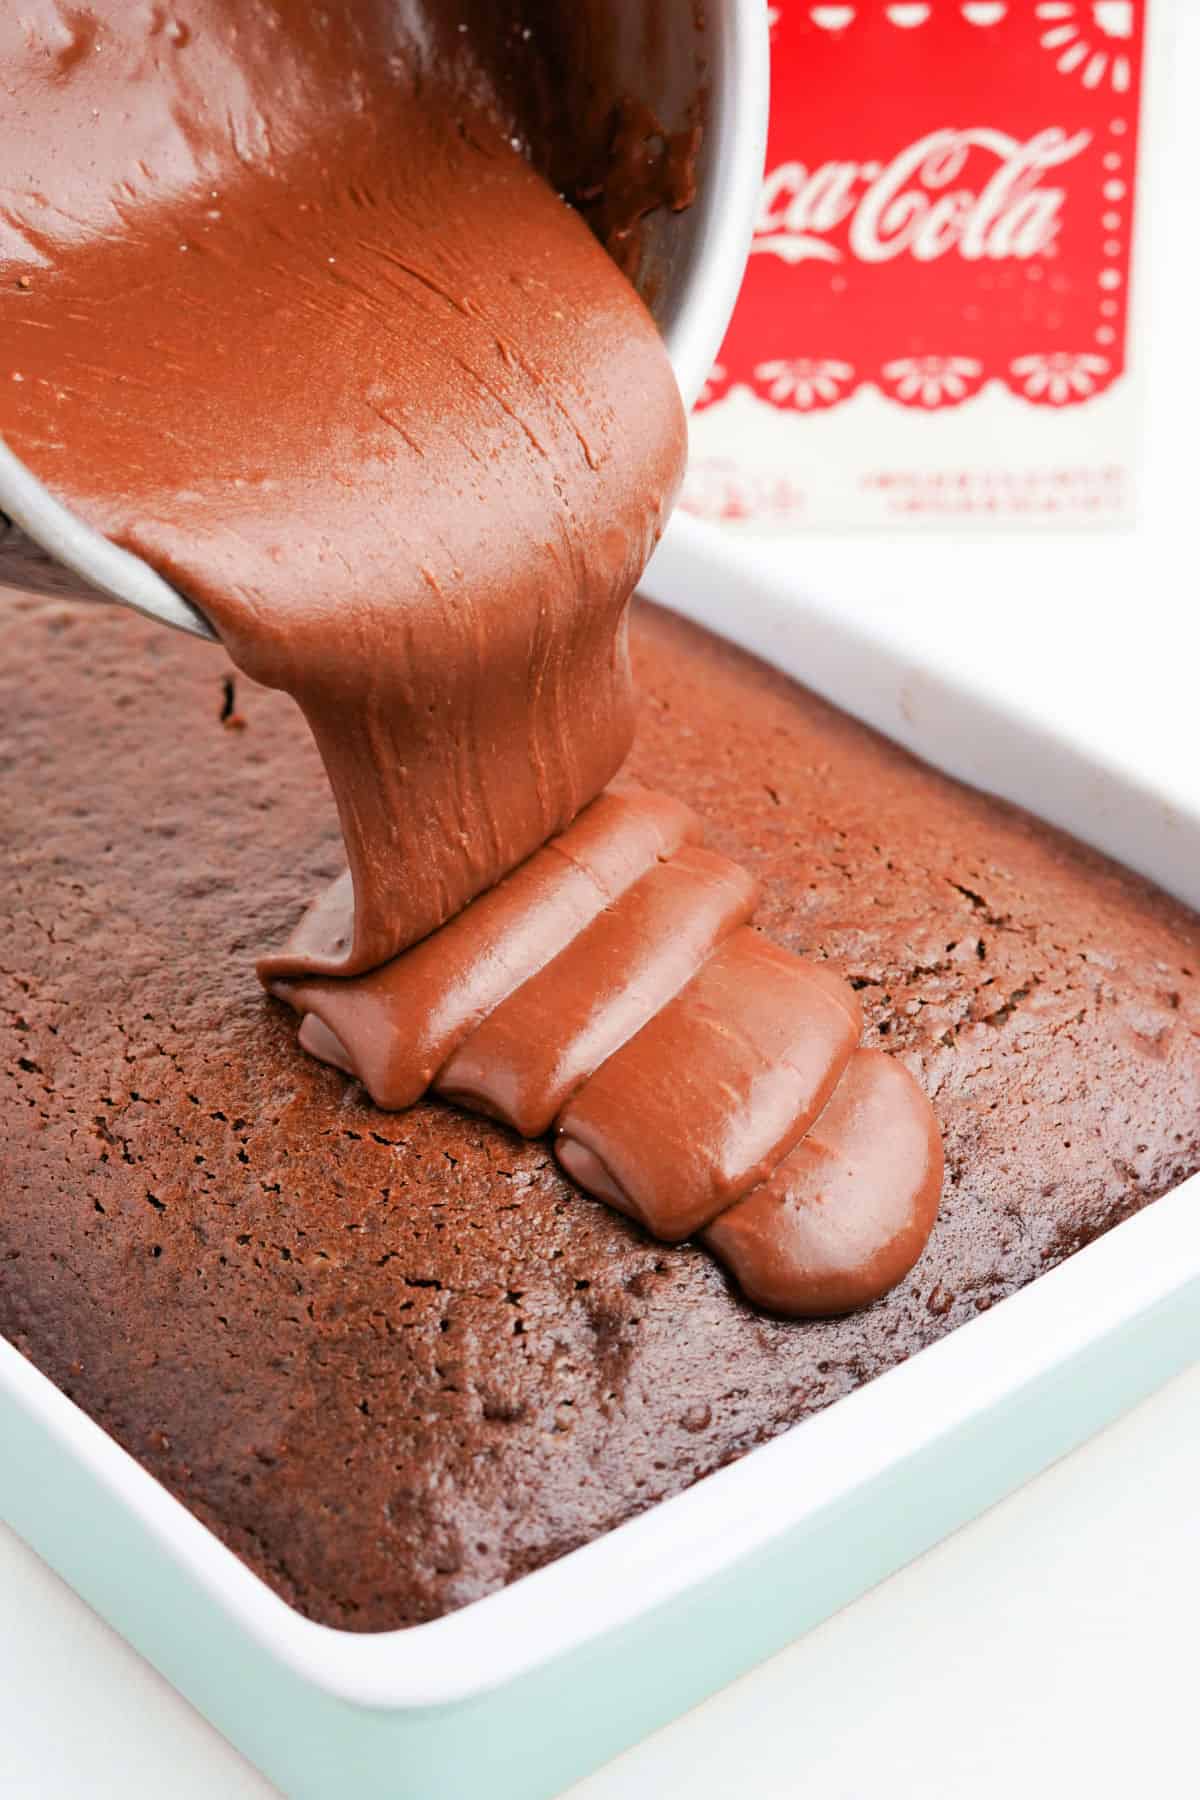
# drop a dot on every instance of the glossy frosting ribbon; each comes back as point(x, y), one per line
point(695, 1075)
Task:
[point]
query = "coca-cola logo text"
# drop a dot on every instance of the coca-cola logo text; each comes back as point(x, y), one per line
point(911, 207)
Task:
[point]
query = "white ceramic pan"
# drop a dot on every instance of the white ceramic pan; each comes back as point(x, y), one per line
point(520, 1693)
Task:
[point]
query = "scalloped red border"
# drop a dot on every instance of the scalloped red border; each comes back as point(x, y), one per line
point(1092, 381)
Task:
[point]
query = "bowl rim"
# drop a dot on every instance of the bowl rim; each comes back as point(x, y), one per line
point(723, 214)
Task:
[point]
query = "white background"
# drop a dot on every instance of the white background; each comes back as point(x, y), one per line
point(1049, 1648)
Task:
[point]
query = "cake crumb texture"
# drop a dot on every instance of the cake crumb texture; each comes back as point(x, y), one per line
point(396, 1360)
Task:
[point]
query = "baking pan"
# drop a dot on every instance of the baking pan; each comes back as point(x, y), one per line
point(523, 1692)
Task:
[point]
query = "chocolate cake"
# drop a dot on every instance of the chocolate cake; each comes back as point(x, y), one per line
point(396, 1360)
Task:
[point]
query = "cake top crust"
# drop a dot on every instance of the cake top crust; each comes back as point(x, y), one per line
point(396, 1361)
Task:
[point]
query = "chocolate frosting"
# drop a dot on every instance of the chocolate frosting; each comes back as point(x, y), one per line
point(406, 1018)
point(846, 1215)
point(289, 311)
point(295, 310)
point(705, 1100)
point(526, 1060)
point(697, 1077)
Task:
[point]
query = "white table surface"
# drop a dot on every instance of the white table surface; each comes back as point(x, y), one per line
point(1049, 1648)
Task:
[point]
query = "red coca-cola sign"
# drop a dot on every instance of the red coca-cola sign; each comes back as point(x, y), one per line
point(948, 201)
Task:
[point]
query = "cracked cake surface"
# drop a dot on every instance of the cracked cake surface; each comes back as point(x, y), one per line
point(394, 1359)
